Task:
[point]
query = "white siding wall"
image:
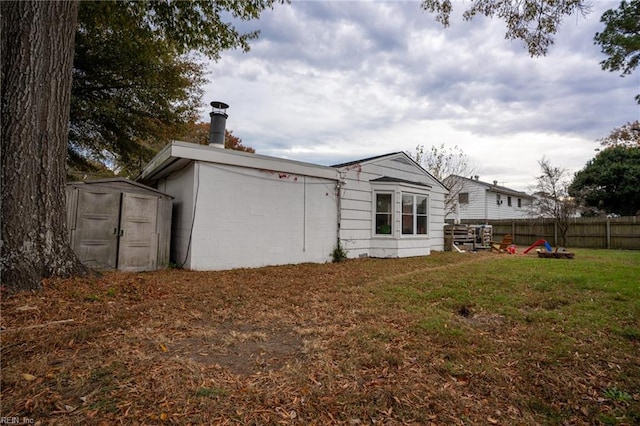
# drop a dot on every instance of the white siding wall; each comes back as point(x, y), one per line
point(477, 207)
point(483, 206)
point(181, 186)
point(251, 218)
point(357, 216)
point(504, 211)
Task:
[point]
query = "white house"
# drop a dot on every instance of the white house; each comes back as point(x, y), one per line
point(390, 207)
point(482, 201)
point(235, 209)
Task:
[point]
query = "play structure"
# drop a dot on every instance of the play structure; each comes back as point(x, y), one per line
point(559, 253)
point(504, 245)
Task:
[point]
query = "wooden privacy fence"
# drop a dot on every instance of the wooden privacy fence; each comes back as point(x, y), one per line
point(621, 233)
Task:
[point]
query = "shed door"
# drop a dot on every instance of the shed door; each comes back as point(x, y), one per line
point(94, 236)
point(138, 248)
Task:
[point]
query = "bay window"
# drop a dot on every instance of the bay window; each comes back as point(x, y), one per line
point(414, 214)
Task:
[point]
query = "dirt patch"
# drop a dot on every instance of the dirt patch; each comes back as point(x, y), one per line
point(243, 349)
point(491, 323)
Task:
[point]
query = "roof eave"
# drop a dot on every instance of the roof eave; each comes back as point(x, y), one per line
point(178, 154)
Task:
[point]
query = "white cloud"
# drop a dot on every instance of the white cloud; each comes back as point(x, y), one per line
point(329, 82)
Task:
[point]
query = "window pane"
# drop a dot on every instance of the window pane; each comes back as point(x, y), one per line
point(422, 224)
point(407, 214)
point(383, 224)
point(421, 207)
point(383, 203)
point(407, 224)
point(463, 198)
point(407, 204)
point(383, 214)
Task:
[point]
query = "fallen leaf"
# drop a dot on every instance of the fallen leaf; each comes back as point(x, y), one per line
point(26, 308)
point(28, 377)
point(163, 348)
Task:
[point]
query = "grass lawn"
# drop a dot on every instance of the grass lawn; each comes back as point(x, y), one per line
point(447, 339)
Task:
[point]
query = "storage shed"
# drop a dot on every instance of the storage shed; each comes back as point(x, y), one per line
point(119, 224)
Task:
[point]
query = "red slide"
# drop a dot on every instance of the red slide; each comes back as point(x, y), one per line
point(537, 243)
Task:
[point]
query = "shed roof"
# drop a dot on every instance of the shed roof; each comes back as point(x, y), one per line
point(118, 184)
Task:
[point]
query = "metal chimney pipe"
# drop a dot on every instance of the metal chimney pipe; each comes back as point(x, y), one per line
point(218, 123)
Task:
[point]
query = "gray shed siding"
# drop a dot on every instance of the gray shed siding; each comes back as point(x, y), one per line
point(117, 223)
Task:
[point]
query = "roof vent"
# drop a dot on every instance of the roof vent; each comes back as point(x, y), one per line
point(218, 123)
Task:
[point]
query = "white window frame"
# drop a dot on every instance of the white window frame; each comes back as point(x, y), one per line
point(414, 214)
point(375, 212)
point(397, 191)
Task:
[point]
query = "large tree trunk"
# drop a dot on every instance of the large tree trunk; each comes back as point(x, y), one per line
point(37, 59)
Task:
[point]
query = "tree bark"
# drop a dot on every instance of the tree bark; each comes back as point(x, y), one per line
point(37, 59)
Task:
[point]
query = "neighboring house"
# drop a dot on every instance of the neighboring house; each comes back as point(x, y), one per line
point(235, 209)
point(482, 201)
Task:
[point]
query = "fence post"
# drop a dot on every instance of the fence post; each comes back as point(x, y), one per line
point(608, 227)
point(555, 233)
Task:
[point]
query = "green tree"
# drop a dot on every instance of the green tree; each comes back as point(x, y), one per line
point(131, 91)
point(552, 197)
point(37, 48)
point(534, 22)
point(610, 182)
point(620, 39)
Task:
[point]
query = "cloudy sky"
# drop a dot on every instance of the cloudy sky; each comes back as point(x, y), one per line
point(335, 81)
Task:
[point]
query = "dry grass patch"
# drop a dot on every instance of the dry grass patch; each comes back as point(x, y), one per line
point(448, 339)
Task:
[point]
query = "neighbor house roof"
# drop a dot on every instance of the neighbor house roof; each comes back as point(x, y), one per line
point(177, 155)
point(493, 187)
